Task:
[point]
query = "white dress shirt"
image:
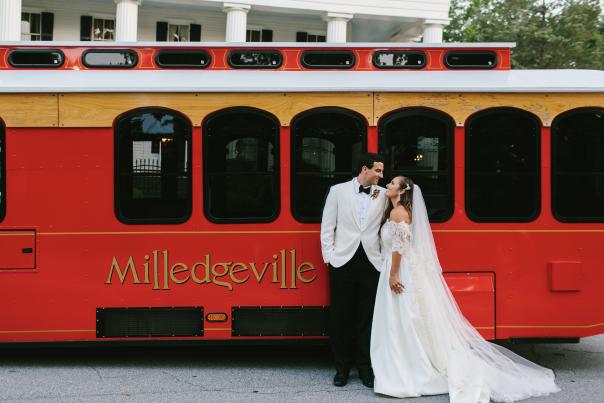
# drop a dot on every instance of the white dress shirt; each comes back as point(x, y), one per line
point(363, 200)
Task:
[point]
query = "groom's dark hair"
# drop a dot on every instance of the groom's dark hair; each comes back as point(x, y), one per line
point(368, 159)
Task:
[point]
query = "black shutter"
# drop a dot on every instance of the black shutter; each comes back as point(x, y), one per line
point(195, 32)
point(47, 26)
point(267, 35)
point(301, 37)
point(161, 31)
point(85, 28)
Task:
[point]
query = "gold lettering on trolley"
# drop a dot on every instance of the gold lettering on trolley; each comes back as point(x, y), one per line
point(221, 274)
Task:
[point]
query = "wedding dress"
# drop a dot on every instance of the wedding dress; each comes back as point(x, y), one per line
point(421, 344)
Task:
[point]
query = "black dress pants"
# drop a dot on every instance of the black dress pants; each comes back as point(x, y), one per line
point(352, 297)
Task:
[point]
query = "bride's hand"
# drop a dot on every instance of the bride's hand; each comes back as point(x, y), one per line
point(395, 285)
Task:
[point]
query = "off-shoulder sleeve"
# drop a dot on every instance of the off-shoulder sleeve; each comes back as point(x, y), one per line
point(401, 237)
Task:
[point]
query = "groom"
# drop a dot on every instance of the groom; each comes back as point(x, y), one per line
point(350, 245)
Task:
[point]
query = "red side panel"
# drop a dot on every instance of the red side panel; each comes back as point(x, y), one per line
point(17, 249)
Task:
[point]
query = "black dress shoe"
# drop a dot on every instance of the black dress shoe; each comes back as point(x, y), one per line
point(341, 378)
point(366, 376)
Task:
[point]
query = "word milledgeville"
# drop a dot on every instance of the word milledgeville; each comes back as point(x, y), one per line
point(282, 269)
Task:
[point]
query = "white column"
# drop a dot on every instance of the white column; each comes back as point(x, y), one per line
point(126, 20)
point(433, 31)
point(236, 22)
point(336, 26)
point(10, 20)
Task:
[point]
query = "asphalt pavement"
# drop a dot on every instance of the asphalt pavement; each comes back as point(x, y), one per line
point(239, 373)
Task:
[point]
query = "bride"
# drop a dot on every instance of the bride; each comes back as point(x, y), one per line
point(421, 344)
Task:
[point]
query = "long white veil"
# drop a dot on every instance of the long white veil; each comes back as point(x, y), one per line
point(475, 368)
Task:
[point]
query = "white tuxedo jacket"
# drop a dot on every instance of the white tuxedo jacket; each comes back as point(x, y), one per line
point(341, 231)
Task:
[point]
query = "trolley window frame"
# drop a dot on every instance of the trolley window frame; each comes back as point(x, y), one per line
point(470, 52)
point(2, 170)
point(468, 154)
point(117, 152)
point(553, 176)
point(36, 66)
point(377, 53)
point(449, 123)
point(306, 65)
point(261, 51)
point(183, 52)
point(109, 66)
point(276, 168)
point(293, 158)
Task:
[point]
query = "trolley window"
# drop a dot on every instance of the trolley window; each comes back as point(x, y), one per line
point(471, 59)
point(255, 59)
point(36, 58)
point(326, 144)
point(241, 166)
point(578, 166)
point(418, 143)
point(502, 166)
point(328, 59)
point(399, 59)
point(153, 167)
point(110, 58)
point(183, 59)
point(2, 174)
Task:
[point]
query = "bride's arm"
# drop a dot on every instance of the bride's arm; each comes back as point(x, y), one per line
point(397, 215)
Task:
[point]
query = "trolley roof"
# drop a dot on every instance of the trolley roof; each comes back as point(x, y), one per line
point(83, 81)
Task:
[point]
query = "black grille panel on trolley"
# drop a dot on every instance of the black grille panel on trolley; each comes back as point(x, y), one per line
point(280, 321)
point(149, 322)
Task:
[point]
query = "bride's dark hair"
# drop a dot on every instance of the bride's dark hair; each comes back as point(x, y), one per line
point(406, 199)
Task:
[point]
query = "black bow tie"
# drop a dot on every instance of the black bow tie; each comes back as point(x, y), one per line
point(364, 190)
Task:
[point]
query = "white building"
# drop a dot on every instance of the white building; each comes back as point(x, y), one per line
point(217, 21)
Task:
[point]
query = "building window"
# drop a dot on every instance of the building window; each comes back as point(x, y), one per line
point(241, 166)
point(418, 143)
point(2, 174)
point(326, 144)
point(103, 29)
point(310, 37)
point(503, 166)
point(31, 26)
point(153, 167)
point(258, 35)
point(178, 33)
point(578, 166)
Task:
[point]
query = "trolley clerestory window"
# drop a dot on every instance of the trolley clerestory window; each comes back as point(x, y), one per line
point(183, 59)
point(418, 143)
point(110, 58)
point(153, 167)
point(471, 59)
point(326, 144)
point(328, 59)
point(241, 166)
point(578, 166)
point(502, 164)
point(255, 59)
point(36, 58)
point(397, 59)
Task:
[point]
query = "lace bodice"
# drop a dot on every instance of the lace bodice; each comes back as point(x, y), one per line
point(396, 237)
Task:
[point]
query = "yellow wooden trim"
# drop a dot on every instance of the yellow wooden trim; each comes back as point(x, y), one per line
point(29, 110)
point(218, 328)
point(100, 110)
point(461, 105)
point(31, 233)
point(49, 331)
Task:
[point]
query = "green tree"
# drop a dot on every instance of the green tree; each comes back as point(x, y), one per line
point(548, 34)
